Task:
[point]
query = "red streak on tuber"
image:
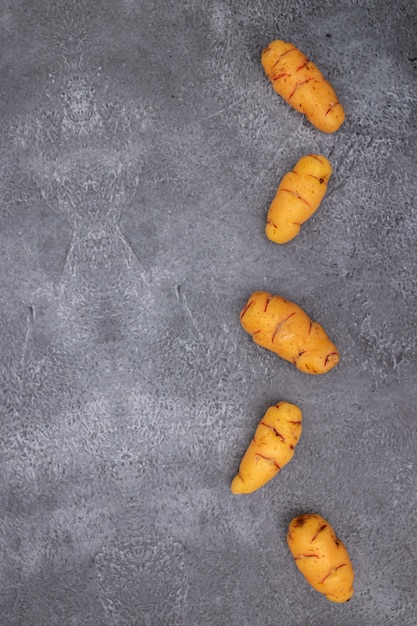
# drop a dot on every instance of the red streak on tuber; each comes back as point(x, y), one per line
point(331, 107)
point(281, 55)
point(334, 569)
point(303, 82)
point(306, 556)
point(279, 76)
point(268, 300)
point(275, 431)
point(327, 357)
point(297, 195)
point(321, 180)
point(246, 308)
point(280, 325)
point(302, 65)
point(317, 157)
point(267, 458)
point(319, 531)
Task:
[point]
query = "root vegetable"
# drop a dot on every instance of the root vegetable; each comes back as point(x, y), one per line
point(299, 81)
point(271, 448)
point(321, 557)
point(284, 328)
point(299, 195)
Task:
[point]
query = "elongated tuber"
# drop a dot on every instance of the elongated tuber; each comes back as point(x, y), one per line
point(299, 81)
point(299, 195)
point(283, 327)
point(321, 557)
point(271, 448)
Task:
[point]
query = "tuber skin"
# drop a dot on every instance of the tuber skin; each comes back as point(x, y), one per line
point(299, 81)
point(321, 557)
point(299, 195)
point(284, 328)
point(271, 448)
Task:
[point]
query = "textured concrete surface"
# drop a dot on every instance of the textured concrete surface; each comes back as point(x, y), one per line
point(141, 145)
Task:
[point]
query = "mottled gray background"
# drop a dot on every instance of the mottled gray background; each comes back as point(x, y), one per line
point(141, 145)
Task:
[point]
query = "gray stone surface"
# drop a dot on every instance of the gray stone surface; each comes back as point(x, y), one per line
point(141, 145)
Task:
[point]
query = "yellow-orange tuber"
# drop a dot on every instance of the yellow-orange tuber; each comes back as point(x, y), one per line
point(271, 448)
point(321, 557)
point(299, 195)
point(299, 81)
point(283, 327)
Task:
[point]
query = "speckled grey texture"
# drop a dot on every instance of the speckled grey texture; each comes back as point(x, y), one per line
point(141, 145)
